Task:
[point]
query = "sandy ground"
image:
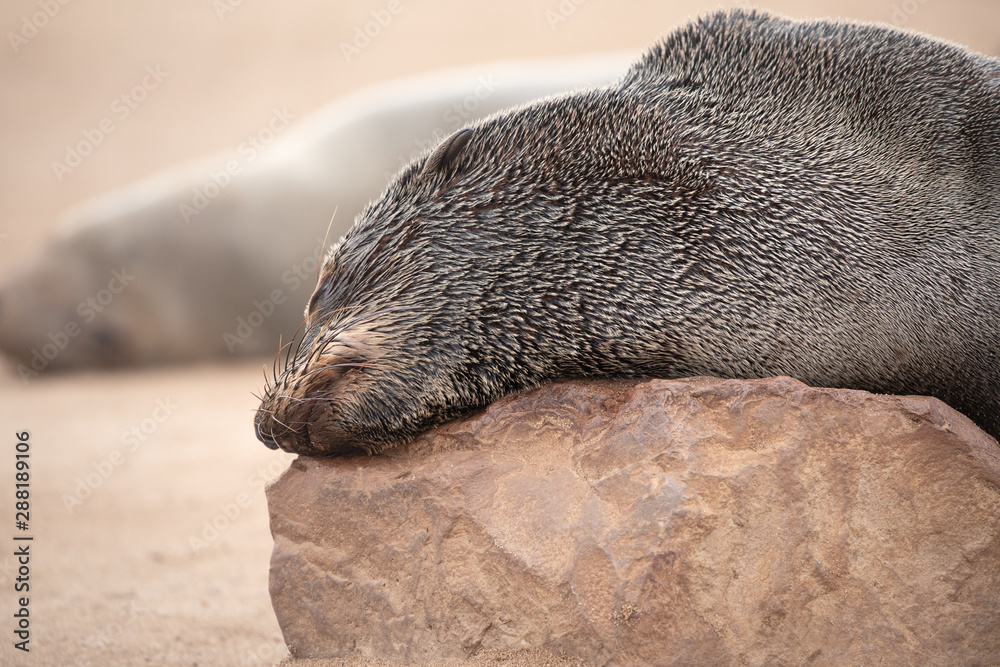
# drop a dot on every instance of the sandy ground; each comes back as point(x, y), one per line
point(144, 550)
point(130, 469)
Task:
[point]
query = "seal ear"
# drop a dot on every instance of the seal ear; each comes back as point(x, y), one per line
point(447, 152)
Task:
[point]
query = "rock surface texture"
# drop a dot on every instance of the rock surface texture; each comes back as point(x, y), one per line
point(687, 522)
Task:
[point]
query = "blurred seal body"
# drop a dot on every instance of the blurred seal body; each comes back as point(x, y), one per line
point(227, 275)
point(755, 197)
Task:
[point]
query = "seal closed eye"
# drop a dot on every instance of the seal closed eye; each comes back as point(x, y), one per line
point(755, 197)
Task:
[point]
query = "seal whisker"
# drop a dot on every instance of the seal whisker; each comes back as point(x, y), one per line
point(297, 340)
point(292, 430)
point(292, 398)
point(308, 399)
point(274, 362)
point(325, 237)
point(286, 351)
point(296, 422)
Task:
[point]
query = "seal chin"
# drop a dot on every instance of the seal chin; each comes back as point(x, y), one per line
point(327, 437)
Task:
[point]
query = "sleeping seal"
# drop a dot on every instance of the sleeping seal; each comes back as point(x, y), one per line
point(754, 197)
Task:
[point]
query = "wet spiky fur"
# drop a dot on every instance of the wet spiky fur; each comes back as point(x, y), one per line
point(755, 197)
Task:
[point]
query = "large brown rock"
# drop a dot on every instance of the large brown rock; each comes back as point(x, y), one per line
point(701, 522)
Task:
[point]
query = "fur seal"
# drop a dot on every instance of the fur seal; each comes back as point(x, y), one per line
point(755, 197)
point(201, 274)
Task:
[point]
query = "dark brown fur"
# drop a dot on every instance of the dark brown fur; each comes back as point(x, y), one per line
point(755, 197)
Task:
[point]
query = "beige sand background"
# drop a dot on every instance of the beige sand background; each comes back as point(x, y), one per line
point(116, 579)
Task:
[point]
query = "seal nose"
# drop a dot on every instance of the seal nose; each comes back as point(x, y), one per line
point(268, 442)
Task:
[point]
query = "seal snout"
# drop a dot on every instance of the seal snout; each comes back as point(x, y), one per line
point(268, 442)
point(300, 409)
